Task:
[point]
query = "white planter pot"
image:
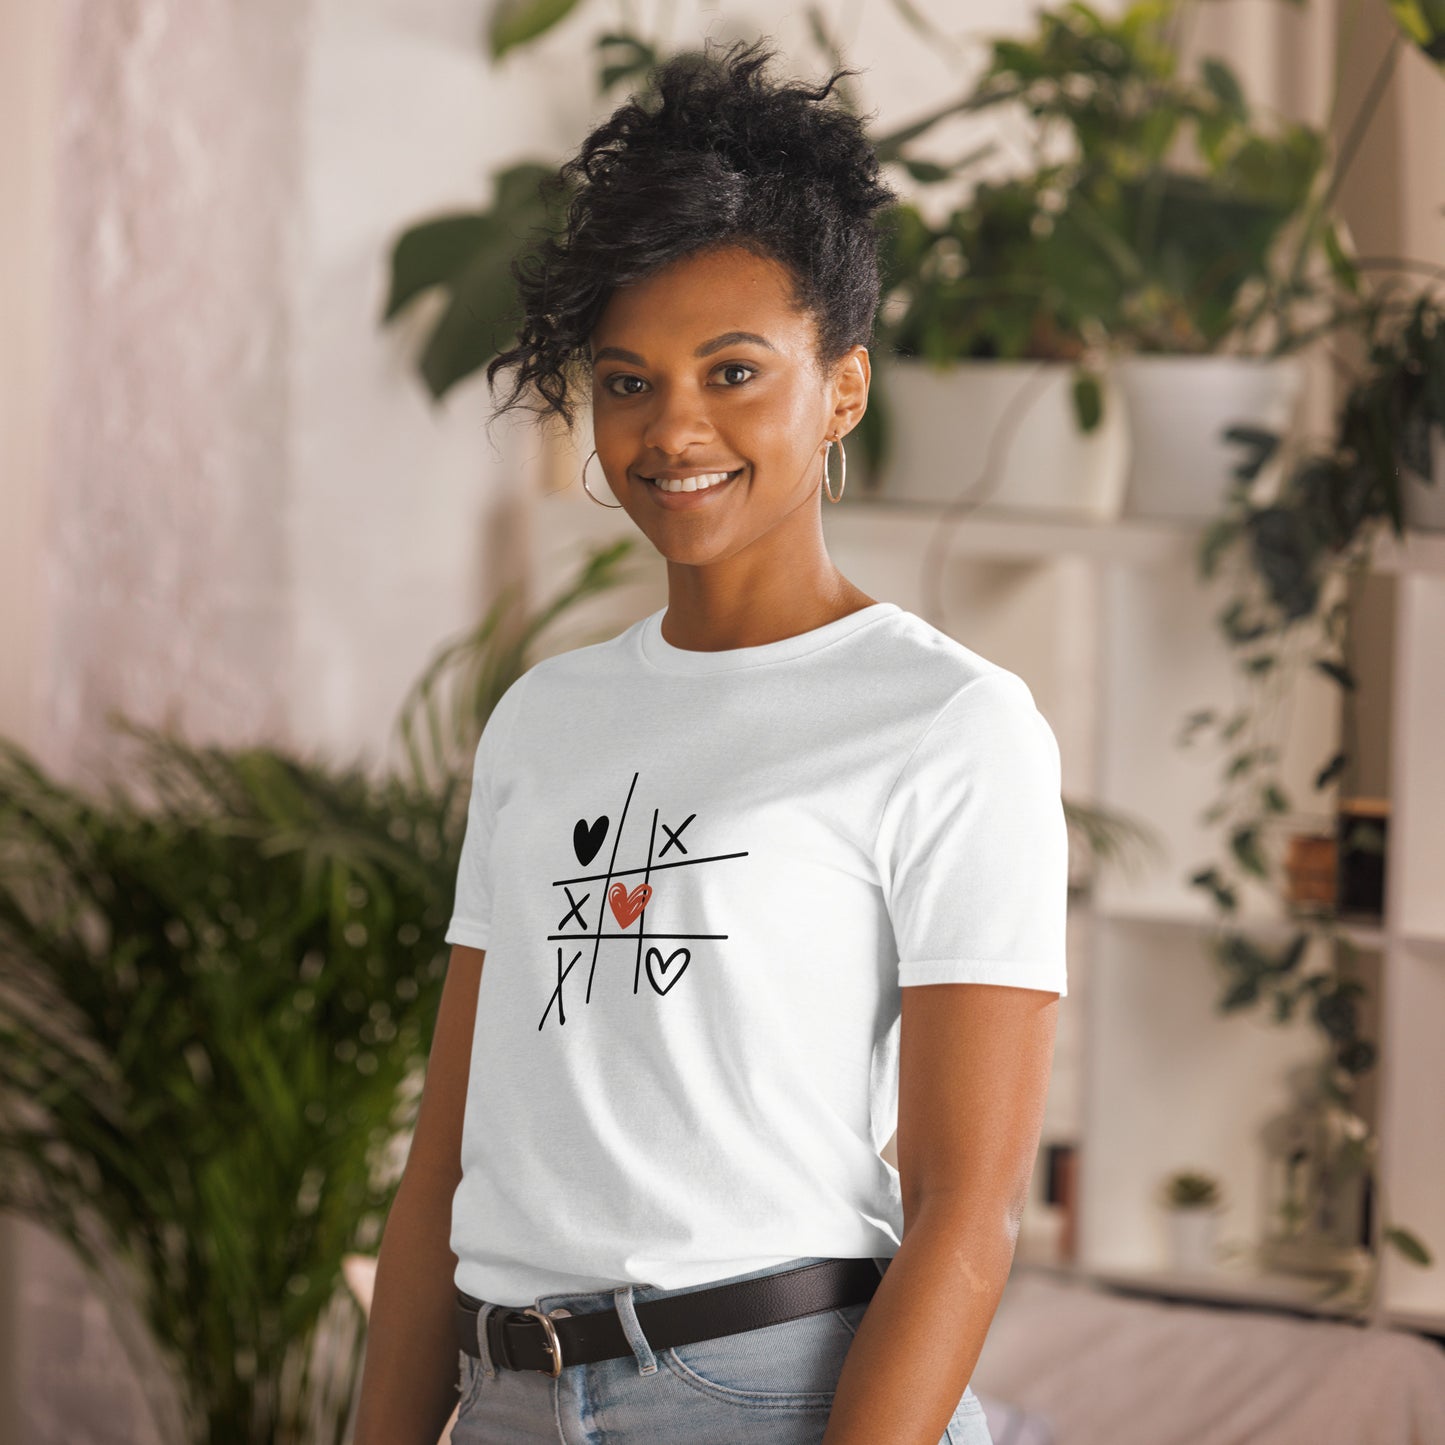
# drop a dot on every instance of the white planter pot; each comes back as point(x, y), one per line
point(1193, 1239)
point(1015, 418)
point(1181, 467)
point(1422, 502)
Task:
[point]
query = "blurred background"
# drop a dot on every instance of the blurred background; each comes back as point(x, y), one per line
point(1158, 421)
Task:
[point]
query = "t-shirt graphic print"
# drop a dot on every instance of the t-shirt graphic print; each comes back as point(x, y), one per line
point(701, 880)
point(660, 957)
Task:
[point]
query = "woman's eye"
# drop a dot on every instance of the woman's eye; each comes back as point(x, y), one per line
point(611, 384)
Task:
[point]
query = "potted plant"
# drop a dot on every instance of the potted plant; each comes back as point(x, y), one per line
point(1175, 201)
point(216, 1004)
point(1193, 1202)
point(1293, 556)
point(988, 364)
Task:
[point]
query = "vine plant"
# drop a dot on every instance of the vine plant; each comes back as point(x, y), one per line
point(1294, 557)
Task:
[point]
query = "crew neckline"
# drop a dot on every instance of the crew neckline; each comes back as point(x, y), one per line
point(663, 655)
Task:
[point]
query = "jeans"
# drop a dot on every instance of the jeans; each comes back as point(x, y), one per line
point(769, 1386)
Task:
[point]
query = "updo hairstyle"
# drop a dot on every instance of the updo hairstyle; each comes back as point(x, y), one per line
point(713, 155)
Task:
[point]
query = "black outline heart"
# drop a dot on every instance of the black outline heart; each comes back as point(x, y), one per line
point(665, 966)
point(587, 838)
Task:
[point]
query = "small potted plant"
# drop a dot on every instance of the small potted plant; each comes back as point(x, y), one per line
point(1193, 1202)
point(989, 364)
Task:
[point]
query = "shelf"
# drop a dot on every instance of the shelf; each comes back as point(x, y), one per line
point(1242, 1287)
point(1362, 934)
point(1017, 534)
point(1002, 534)
point(1238, 1287)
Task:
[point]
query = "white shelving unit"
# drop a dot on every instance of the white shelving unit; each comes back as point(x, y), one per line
point(1111, 627)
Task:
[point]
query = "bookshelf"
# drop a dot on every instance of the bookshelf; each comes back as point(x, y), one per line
point(1114, 632)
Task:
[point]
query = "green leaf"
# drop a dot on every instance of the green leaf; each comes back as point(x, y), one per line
point(1244, 844)
point(1213, 544)
point(1235, 726)
point(1338, 671)
point(1241, 994)
point(515, 22)
point(1259, 446)
point(1289, 960)
point(1330, 771)
point(636, 58)
point(1274, 799)
point(1423, 21)
point(926, 172)
point(1088, 399)
point(1224, 85)
point(1341, 265)
point(480, 320)
point(431, 253)
point(1408, 1245)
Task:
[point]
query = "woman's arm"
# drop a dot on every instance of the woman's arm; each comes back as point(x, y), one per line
point(409, 1375)
point(973, 1075)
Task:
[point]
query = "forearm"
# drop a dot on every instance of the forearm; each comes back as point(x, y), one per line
point(409, 1377)
point(923, 1332)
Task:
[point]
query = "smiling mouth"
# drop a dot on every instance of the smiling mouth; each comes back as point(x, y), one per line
point(700, 483)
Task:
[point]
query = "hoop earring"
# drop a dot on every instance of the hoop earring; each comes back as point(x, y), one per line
point(611, 506)
point(843, 478)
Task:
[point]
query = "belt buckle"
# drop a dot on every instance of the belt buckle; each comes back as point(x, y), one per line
point(553, 1344)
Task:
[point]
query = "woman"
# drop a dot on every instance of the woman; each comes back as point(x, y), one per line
point(772, 869)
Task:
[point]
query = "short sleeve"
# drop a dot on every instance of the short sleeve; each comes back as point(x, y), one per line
point(972, 846)
point(471, 921)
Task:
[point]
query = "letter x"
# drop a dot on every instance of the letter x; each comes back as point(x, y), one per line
point(674, 836)
point(557, 992)
point(576, 909)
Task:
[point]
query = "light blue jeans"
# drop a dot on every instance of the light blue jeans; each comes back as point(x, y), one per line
point(770, 1386)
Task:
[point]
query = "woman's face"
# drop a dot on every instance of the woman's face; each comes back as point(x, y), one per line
point(706, 367)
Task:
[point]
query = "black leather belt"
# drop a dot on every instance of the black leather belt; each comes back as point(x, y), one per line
point(526, 1339)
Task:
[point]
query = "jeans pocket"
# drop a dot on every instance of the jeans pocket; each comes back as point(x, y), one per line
point(795, 1363)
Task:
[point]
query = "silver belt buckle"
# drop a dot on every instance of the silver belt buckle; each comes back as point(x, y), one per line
point(553, 1344)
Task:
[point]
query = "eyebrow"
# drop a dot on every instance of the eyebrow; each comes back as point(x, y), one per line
point(728, 338)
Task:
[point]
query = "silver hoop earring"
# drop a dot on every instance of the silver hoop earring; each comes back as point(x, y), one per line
point(611, 506)
point(843, 478)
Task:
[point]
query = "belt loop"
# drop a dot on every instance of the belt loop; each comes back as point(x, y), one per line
point(488, 1368)
point(627, 1313)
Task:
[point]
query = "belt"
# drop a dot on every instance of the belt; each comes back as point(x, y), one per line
point(523, 1338)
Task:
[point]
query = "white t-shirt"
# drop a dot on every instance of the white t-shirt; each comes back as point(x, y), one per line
point(701, 879)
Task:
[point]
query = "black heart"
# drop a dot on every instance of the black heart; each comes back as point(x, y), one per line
point(654, 953)
point(586, 840)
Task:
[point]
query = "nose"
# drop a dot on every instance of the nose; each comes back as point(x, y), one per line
point(678, 422)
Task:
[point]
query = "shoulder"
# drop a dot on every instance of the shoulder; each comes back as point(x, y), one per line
point(940, 678)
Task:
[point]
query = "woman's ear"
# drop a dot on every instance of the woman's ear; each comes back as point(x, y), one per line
point(850, 382)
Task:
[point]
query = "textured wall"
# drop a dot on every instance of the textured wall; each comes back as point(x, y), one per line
point(177, 184)
point(177, 205)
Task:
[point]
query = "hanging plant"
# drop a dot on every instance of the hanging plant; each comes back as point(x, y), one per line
point(1293, 558)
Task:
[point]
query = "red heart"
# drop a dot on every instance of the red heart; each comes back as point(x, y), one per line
point(626, 906)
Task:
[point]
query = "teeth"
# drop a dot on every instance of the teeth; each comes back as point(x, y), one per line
point(690, 484)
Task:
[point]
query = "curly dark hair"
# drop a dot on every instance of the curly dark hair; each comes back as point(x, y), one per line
point(713, 155)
